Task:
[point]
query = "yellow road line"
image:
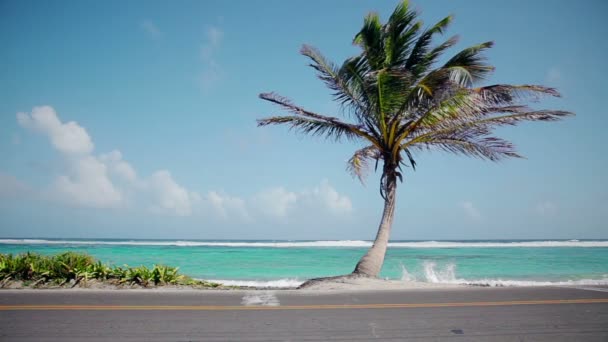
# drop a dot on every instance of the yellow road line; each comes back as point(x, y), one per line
point(299, 307)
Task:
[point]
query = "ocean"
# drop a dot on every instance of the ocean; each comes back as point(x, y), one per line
point(289, 263)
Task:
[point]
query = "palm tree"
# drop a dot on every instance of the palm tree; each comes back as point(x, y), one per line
point(397, 100)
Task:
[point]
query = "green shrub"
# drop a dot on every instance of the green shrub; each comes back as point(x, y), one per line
point(71, 266)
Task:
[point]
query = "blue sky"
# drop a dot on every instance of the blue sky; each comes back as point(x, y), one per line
point(137, 120)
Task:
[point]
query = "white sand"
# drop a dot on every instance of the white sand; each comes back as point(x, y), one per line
point(370, 284)
point(339, 285)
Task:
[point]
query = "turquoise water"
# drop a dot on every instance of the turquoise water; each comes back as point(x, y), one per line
point(289, 263)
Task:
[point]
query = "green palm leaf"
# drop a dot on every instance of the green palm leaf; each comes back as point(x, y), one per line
point(398, 101)
point(468, 66)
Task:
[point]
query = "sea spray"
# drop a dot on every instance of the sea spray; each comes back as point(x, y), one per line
point(405, 275)
point(446, 274)
point(431, 273)
point(434, 275)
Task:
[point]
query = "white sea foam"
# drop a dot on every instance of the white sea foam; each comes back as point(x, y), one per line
point(433, 276)
point(505, 282)
point(506, 244)
point(328, 243)
point(405, 275)
point(447, 275)
point(279, 283)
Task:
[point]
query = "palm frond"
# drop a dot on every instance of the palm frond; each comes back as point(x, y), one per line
point(418, 61)
point(400, 32)
point(392, 88)
point(286, 104)
point(490, 148)
point(432, 56)
point(483, 126)
point(445, 101)
point(399, 99)
point(333, 78)
point(370, 39)
point(358, 165)
point(468, 66)
point(427, 90)
point(355, 73)
point(362, 131)
point(504, 94)
point(410, 157)
point(328, 129)
point(513, 119)
point(459, 105)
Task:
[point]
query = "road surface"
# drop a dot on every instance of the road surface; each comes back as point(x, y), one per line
point(467, 314)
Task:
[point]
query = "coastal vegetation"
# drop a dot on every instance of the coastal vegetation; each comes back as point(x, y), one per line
point(70, 269)
point(398, 100)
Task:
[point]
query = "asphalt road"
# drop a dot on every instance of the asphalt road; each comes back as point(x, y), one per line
point(471, 314)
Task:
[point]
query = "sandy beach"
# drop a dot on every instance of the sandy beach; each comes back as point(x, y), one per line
point(371, 284)
point(353, 284)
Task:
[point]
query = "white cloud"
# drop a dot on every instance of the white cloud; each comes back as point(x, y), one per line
point(279, 203)
point(169, 195)
point(87, 184)
point(118, 166)
point(151, 29)
point(226, 206)
point(471, 211)
point(326, 196)
point(546, 209)
point(108, 181)
point(94, 181)
point(68, 138)
point(274, 202)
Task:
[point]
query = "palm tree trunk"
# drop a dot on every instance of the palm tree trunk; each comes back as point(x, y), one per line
point(371, 263)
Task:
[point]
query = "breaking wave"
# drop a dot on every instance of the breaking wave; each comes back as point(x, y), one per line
point(432, 273)
point(328, 243)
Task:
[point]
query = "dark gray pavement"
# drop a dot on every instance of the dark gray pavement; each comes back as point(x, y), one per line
point(467, 314)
